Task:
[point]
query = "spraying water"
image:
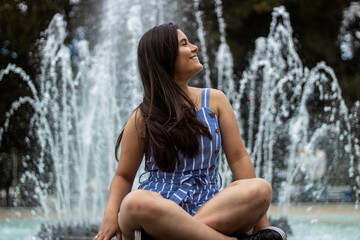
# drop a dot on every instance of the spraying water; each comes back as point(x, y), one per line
point(288, 114)
point(203, 49)
point(296, 125)
point(79, 114)
point(224, 59)
point(349, 40)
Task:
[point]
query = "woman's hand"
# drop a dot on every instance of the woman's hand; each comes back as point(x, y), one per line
point(132, 151)
point(109, 228)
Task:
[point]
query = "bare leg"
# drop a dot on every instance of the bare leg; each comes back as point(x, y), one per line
point(238, 207)
point(161, 218)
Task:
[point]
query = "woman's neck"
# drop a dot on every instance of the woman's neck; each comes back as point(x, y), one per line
point(183, 85)
point(189, 92)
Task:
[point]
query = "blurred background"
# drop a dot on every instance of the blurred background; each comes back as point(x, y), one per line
point(59, 59)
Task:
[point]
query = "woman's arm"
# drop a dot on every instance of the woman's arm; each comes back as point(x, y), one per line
point(232, 143)
point(132, 151)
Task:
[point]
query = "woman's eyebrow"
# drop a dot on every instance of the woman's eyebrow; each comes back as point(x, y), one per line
point(183, 40)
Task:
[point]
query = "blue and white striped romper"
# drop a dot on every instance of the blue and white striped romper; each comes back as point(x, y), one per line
point(195, 180)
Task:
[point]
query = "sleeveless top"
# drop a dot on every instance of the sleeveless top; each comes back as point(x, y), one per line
point(194, 180)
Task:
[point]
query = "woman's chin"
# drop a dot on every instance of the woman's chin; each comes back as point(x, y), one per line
point(200, 68)
point(196, 72)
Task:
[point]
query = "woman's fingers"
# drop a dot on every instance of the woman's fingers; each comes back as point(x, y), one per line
point(96, 237)
point(100, 236)
point(118, 236)
point(106, 236)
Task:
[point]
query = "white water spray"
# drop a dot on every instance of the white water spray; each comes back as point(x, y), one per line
point(79, 113)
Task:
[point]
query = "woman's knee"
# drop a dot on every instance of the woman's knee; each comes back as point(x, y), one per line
point(258, 190)
point(262, 191)
point(140, 205)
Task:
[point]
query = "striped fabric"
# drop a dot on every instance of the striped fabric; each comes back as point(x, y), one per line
point(195, 180)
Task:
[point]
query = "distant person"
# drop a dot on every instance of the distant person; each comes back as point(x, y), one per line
point(180, 130)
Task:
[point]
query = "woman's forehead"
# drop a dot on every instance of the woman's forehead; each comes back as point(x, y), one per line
point(181, 35)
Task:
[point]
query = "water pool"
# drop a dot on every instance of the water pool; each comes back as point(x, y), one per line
point(322, 222)
point(19, 230)
point(303, 230)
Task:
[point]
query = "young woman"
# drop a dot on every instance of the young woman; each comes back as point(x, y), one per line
point(180, 129)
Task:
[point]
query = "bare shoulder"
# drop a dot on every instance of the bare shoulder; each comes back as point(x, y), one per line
point(136, 123)
point(218, 101)
point(217, 94)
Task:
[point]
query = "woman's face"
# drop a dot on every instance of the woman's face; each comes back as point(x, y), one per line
point(187, 63)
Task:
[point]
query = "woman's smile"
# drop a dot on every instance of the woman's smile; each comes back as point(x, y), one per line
point(187, 63)
point(194, 58)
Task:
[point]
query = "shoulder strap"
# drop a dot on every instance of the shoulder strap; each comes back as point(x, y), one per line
point(205, 97)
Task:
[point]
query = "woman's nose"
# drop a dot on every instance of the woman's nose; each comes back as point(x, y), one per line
point(194, 48)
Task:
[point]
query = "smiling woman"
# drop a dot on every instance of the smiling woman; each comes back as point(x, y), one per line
point(276, 90)
point(187, 63)
point(180, 130)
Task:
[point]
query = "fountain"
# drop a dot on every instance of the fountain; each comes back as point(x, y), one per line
point(294, 118)
point(297, 129)
point(81, 100)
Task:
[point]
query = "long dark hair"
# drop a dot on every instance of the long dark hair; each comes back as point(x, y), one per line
point(169, 114)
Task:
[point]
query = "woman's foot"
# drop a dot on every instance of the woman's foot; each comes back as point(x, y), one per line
point(268, 233)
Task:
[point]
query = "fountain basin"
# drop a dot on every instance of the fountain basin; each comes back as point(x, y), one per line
point(307, 221)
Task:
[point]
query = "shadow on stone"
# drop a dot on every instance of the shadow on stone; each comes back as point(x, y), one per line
point(67, 232)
